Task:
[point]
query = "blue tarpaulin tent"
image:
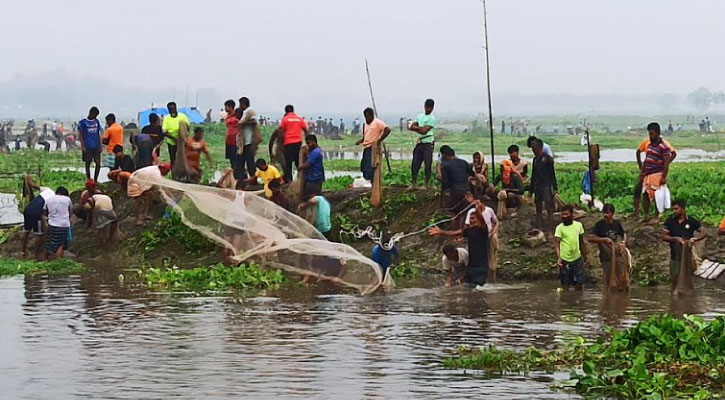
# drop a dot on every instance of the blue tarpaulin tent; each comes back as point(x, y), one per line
point(192, 113)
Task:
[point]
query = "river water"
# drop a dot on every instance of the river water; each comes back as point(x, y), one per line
point(89, 337)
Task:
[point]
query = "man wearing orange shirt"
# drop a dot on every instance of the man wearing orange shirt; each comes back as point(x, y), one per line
point(721, 229)
point(642, 148)
point(292, 128)
point(112, 138)
point(194, 147)
point(374, 132)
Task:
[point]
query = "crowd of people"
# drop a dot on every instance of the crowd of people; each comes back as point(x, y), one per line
point(293, 146)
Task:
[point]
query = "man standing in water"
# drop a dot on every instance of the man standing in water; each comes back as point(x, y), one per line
point(638, 188)
point(570, 249)
point(655, 169)
point(374, 133)
point(681, 230)
point(424, 125)
point(607, 234)
point(477, 234)
point(89, 131)
point(170, 127)
point(543, 184)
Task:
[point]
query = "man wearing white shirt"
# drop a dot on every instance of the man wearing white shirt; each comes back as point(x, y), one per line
point(455, 261)
point(59, 208)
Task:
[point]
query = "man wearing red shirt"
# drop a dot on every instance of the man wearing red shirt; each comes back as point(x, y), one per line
point(230, 143)
point(292, 128)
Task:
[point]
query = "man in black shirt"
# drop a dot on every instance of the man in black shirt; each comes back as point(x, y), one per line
point(610, 236)
point(454, 179)
point(681, 232)
point(123, 167)
point(543, 184)
point(153, 129)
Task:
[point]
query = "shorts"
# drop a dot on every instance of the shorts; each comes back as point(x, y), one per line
point(109, 160)
point(571, 274)
point(92, 155)
point(313, 188)
point(544, 194)
point(33, 216)
point(57, 238)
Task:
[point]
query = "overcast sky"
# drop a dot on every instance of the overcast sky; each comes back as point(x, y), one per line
point(311, 53)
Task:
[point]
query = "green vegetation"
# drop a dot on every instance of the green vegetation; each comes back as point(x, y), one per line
point(47, 169)
point(699, 184)
point(64, 266)
point(211, 279)
point(661, 357)
point(173, 227)
point(478, 140)
point(404, 269)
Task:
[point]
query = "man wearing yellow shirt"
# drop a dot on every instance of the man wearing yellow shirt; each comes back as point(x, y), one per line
point(170, 127)
point(267, 173)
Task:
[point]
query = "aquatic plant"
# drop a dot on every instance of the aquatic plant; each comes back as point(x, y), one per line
point(212, 278)
point(64, 266)
point(658, 358)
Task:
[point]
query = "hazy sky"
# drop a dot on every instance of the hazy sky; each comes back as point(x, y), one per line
point(311, 53)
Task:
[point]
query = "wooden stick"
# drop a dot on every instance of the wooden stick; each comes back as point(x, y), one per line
point(375, 110)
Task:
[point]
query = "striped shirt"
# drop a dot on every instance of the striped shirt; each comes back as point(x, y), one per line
point(656, 156)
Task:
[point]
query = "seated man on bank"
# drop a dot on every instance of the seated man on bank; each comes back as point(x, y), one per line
point(122, 168)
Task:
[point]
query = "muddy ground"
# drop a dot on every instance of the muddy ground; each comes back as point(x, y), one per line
point(402, 211)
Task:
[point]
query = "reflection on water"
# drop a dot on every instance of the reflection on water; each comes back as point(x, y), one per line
point(76, 337)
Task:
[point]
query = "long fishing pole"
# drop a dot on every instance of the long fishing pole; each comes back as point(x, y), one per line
point(375, 110)
point(488, 85)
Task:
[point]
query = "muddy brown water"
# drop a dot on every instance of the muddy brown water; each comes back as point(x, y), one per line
point(90, 337)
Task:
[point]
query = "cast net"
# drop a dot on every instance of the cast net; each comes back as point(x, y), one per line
point(255, 229)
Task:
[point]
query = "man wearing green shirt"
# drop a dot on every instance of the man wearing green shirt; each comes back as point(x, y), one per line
point(170, 127)
point(570, 248)
point(424, 125)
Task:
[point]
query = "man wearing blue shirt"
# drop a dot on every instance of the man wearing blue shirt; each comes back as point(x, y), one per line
point(89, 130)
point(313, 168)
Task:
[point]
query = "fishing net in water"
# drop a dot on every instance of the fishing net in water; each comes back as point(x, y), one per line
point(255, 229)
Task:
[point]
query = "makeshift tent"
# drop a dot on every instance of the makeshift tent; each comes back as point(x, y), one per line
point(192, 113)
point(143, 116)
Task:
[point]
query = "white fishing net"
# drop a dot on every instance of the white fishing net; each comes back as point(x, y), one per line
point(255, 229)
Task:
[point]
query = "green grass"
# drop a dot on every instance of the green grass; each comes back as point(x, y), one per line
point(64, 266)
point(468, 143)
point(662, 357)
